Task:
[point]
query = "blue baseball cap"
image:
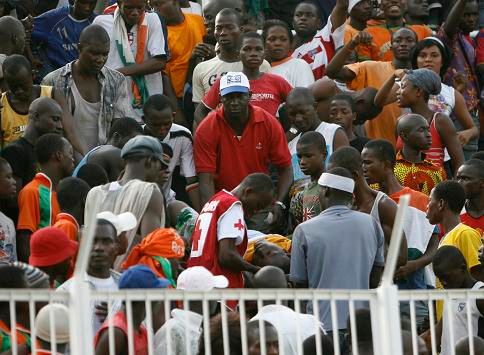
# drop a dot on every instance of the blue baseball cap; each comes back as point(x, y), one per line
point(141, 276)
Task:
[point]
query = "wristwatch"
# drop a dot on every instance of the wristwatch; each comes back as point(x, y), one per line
point(293, 130)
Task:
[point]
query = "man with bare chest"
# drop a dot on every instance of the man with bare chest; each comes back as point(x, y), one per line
point(96, 94)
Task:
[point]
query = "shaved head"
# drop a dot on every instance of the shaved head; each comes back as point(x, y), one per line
point(270, 277)
point(94, 33)
point(448, 257)
point(462, 346)
point(407, 123)
point(303, 94)
point(42, 105)
point(12, 36)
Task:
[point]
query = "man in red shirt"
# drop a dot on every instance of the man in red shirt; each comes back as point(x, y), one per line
point(219, 240)
point(239, 139)
point(471, 176)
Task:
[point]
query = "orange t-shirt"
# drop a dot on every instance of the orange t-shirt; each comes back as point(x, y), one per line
point(68, 224)
point(182, 39)
point(381, 44)
point(374, 74)
point(37, 203)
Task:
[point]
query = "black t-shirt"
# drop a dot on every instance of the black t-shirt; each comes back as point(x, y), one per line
point(21, 157)
point(359, 143)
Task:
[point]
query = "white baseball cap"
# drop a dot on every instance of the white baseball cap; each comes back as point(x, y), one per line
point(197, 278)
point(59, 314)
point(234, 82)
point(122, 222)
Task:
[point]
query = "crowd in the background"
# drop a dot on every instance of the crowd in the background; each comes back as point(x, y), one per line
point(241, 144)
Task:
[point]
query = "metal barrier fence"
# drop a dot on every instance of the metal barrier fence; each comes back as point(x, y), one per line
point(232, 335)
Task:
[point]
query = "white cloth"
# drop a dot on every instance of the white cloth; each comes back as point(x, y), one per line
point(296, 71)
point(8, 244)
point(181, 142)
point(87, 113)
point(97, 284)
point(458, 312)
point(206, 74)
point(155, 46)
point(231, 224)
point(182, 326)
point(194, 8)
point(291, 327)
point(134, 197)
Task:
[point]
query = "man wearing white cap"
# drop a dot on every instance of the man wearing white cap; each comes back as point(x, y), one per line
point(184, 328)
point(109, 242)
point(360, 12)
point(58, 315)
point(339, 249)
point(239, 139)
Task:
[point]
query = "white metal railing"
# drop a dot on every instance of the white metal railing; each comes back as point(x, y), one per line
point(382, 302)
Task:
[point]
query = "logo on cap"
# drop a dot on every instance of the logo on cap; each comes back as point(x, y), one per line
point(234, 79)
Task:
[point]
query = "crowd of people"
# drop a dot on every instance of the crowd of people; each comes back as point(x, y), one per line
point(241, 144)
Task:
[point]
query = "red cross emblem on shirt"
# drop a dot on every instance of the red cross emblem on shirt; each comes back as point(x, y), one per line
point(239, 225)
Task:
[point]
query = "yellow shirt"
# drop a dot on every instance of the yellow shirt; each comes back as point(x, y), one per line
point(182, 39)
point(14, 123)
point(374, 74)
point(468, 241)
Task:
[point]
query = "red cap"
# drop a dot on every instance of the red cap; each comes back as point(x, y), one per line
point(50, 246)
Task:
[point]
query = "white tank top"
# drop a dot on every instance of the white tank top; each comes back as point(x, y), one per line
point(374, 210)
point(459, 315)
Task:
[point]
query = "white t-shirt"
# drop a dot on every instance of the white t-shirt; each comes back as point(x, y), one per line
point(328, 130)
point(8, 244)
point(194, 8)
point(180, 140)
point(231, 224)
point(296, 71)
point(97, 284)
point(206, 73)
point(459, 316)
point(155, 46)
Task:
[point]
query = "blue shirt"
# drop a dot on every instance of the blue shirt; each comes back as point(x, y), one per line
point(58, 33)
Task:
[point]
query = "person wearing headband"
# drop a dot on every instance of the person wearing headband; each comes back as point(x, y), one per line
point(339, 249)
point(367, 200)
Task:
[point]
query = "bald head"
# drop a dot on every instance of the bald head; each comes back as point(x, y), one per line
point(301, 94)
point(448, 258)
point(213, 7)
point(93, 33)
point(462, 347)
point(42, 105)
point(12, 36)
point(409, 122)
point(270, 277)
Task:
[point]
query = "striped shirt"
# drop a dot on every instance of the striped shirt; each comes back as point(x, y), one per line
point(37, 204)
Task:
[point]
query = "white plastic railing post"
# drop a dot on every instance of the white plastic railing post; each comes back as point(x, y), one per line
point(387, 338)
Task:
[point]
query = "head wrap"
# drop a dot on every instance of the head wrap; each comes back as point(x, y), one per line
point(425, 79)
point(337, 182)
point(154, 251)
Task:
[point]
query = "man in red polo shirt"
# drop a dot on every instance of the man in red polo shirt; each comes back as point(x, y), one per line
point(238, 139)
point(219, 240)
